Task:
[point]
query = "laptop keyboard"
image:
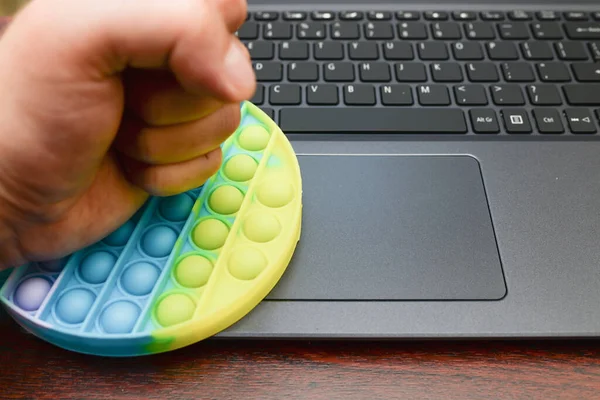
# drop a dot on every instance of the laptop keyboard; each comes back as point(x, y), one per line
point(442, 72)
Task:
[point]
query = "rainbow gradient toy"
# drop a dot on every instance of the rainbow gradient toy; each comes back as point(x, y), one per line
point(184, 267)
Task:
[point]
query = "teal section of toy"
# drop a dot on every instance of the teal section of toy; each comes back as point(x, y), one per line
point(153, 284)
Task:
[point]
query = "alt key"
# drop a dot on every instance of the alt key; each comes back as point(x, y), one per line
point(484, 120)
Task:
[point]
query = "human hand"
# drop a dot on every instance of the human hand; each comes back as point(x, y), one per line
point(106, 102)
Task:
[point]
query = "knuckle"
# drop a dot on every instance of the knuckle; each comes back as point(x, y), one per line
point(151, 180)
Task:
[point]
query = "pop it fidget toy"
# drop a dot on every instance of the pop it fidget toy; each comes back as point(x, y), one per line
point(184, 267)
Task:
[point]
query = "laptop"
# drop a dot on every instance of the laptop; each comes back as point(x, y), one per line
point(450, 158)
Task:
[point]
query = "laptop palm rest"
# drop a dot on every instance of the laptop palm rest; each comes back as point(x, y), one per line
point(393, 228)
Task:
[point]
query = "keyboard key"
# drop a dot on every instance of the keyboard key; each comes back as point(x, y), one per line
point(351, 15)
point(446, 72)
point(374, 72)
point(582, 95)
point(480, 31)
point(363, 51)
point(285, 94)
point(259, 95)
point(492, 16)
point(398, 51)
point(571, 51)
point(576, 16)
point(544, 95)
point(371, 119)
point(293, 51)
point(482, 72)
point(547, 15)
point(339, 72)
point(519, 15)
point(407, 16)
point(470, 95)
point(269, 111)
point(513, 31)
point(517, 72)
point(553, 72)
point(436, 15)
point(310, 30)
point(328, 51)
point(396, 95)
point(248, 31)
point(484, 120)
point(322, 94)
point(294, 16)
point(464, 15)
point(411, 72)
point(446, 30)
point(412, 30)
point(345, 30)
point(379, 15)
point(303, 72)
point(595, 50)
point(583, 30)
point(322, 15)
point(502, 51)
point(516, 120)
point(278, 30)
point(537, 51)
point(433, 95)
point(580, 120)
point(261, 50)
point(359, 94)
point(379, 30)
point(266, 16)
point(586, 72)
point(467, 51)
point(433, 51)
point(268, 71)
point(548, 120)
point(507, 95)
point(547, 31)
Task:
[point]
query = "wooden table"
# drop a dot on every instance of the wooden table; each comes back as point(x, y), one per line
point(220, 369)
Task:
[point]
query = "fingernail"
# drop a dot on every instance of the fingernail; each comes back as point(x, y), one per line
point(238, 67)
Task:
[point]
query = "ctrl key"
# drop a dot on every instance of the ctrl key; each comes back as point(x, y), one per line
point(484, 120)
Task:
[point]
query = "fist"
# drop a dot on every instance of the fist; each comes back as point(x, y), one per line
point(105, 103)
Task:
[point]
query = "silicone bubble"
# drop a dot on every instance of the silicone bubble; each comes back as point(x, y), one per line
point(183, 268)
point(175, 309)
point(210, 234)
point(240, 168)
point(254, 138)
point(31, 293)
point(226, 199)
point(193, 271)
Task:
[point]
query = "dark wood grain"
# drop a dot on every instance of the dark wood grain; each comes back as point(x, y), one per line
point(30, 368)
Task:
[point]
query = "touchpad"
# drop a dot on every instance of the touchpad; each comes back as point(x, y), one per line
point(393, 228)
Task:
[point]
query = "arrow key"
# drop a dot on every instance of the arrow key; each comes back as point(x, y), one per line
point(580, 120)
point(484, 120)
point(548, 120)
point(586, 72)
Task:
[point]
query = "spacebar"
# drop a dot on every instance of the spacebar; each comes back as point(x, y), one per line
point(388, 120)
